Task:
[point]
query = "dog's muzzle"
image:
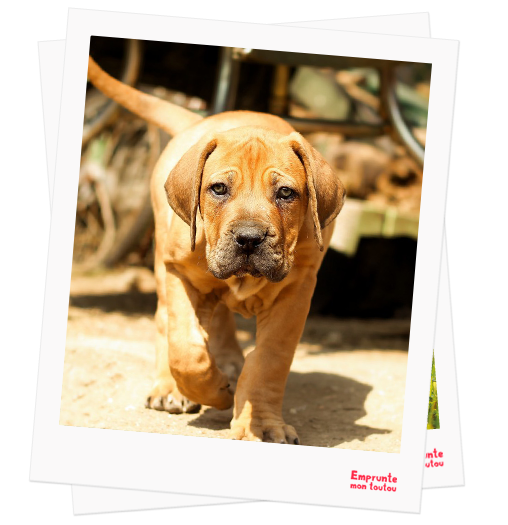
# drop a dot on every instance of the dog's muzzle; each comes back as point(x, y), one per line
point(248, 248)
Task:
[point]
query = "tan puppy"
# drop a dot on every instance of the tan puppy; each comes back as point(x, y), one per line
point(253, 208)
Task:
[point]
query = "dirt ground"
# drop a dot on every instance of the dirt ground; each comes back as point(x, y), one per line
point(345, 390)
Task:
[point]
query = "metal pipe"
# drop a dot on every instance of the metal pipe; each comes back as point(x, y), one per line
point(394, 115)
point(227, 82)
point(350, 129)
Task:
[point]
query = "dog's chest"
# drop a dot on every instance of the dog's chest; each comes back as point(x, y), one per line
point(247, 296)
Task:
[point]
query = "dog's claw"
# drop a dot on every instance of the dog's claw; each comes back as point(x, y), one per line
point(157, 404)
point(189, 407)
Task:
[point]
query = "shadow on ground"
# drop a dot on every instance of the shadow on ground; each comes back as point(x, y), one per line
point(132, 302)
point(322, 407)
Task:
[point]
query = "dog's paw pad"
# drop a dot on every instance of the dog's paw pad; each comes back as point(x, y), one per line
point(172, 404)
point(267, 432)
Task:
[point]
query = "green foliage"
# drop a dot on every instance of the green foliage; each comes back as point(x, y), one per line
point(433, 416)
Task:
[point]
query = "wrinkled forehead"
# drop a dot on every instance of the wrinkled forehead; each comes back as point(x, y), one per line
point(254, 152)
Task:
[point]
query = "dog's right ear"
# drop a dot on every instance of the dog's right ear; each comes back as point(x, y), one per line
point(183, 184)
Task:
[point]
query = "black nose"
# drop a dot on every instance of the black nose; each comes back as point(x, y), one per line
point(249, 236)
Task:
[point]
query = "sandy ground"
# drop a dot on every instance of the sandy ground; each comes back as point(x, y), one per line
point(345, 390)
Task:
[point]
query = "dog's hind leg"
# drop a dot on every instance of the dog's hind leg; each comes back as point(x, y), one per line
point(223, 343)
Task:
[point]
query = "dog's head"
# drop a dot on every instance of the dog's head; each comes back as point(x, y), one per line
point(253, 187)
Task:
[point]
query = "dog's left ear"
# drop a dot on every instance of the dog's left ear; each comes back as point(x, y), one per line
point(326, 192)
point(183, 184)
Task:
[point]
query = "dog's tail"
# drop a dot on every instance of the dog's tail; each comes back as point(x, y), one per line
point(170, 117)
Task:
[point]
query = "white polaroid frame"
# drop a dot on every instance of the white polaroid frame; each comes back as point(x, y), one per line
point(443, 462)
point(96, 457)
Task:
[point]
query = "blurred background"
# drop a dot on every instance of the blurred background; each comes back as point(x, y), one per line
point(340, 111)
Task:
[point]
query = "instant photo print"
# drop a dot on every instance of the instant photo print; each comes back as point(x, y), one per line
point(99, 463)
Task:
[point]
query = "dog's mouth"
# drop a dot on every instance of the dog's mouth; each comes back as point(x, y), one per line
point(224, 264)
point(247, 269)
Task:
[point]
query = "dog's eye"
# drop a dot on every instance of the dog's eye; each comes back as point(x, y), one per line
point(285, 193)
point(219, 188)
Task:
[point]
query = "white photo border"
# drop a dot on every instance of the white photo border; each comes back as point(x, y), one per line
point(446, 439)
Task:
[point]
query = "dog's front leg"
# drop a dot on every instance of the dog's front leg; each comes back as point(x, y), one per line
point(192, 365)
point(260, 390)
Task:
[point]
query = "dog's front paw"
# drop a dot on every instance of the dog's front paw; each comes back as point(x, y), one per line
point(167, 397)
point(268, 429)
